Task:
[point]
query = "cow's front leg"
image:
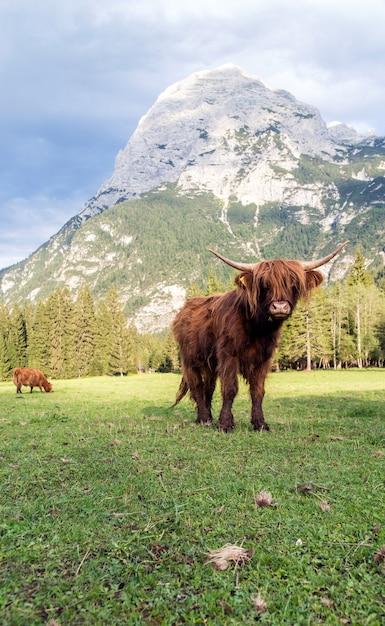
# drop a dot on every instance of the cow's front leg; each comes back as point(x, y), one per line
point(229, 387)
point(257, 418)
point(257, 392)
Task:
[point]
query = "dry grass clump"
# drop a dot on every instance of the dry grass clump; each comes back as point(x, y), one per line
point(223, 556)
point(263, 499)
point(259, 604)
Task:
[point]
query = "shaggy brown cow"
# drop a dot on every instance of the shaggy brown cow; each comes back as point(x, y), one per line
point(30, 378)
point(237, 332)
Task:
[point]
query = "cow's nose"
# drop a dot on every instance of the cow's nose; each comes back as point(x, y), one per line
point(280, 309)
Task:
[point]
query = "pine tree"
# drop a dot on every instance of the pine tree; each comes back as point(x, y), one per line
point(341, 344)
point(115, 350)
point(85, 333)
point(194, 290)
point(17, 337)
point(150, 351)
point(213, 284)
point(360, 283)
point(103, 339)
point(358, 275)
point(170, 360)
point(5, 359)
point(372, 306)
point(380, 333)
point(39, 343)
point(319, 328)
point(60, 308)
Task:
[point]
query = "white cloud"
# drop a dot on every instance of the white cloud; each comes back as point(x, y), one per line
point(27, 223)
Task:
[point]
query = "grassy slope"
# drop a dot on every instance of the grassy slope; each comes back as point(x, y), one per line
point(110, 501)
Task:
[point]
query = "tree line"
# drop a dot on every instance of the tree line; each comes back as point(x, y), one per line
point(68, 338)
point(342, 325)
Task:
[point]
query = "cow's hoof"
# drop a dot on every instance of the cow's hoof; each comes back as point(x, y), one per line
point(207, 423)
point(261, 427)
point(226, 429)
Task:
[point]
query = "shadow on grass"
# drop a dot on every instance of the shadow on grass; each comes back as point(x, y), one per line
point(347, 411)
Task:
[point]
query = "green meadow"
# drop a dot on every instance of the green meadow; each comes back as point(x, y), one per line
point(110, 503)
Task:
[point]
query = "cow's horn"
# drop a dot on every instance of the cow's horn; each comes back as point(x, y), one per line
point(238, 266)
point(307, 265)
point(312, 265)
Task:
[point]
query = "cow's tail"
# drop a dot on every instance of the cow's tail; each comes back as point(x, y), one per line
point(182, 391)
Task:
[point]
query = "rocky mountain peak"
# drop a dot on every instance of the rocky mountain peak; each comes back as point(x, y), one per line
point(194, 131)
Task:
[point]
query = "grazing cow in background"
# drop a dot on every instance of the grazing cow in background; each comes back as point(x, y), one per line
point(237, 332)
point(30, 378)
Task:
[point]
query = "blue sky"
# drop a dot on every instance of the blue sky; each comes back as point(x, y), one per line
point(76, 77)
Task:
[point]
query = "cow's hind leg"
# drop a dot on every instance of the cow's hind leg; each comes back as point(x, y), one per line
point(210, 379)
point(201, 393)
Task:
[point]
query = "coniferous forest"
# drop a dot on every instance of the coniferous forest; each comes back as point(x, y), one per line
point(342, 325)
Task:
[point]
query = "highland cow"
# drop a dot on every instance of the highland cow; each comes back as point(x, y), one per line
point(236, 333)
point(30, 378)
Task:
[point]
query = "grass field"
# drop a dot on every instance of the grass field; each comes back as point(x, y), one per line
point(110, 502)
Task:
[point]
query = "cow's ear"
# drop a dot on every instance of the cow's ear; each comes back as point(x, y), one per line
point(244, 280)
point(313, 279)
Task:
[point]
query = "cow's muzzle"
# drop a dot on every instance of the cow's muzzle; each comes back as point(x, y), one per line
point(279, 309)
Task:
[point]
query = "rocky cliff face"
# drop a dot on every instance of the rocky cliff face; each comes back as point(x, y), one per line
point(221, 131)
point(268, 166)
